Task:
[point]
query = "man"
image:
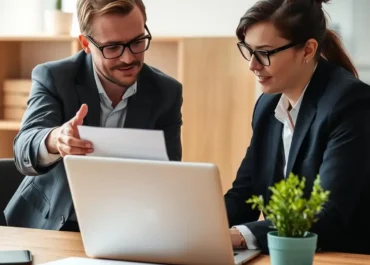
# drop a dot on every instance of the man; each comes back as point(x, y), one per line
point(108, 85)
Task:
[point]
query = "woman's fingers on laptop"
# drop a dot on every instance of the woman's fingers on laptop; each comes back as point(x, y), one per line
point(236, 237)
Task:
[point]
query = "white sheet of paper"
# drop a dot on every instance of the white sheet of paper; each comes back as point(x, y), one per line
point(125, 143)
point(87, 261)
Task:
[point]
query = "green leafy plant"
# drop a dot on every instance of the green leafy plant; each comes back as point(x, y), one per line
point(58, 5)
point(290, 213)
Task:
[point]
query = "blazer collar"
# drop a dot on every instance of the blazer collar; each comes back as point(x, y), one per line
point(88, 92)
point(307, 112)
point(140, 106)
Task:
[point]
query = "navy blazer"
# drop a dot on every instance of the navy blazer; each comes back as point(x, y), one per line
point(331, 138)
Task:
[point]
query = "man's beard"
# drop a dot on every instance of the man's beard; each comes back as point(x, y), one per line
point(114, 80)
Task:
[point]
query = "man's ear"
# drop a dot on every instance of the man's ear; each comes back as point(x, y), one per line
point(84, 43)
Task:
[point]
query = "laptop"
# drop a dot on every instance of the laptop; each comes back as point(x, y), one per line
point(151, 211)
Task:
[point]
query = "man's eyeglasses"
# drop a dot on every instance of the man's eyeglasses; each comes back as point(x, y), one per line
point(136, 46)
point(263, 57)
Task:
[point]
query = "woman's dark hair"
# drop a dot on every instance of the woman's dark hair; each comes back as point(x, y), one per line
point(299, 21)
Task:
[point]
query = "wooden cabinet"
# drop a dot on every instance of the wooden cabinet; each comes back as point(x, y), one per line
point(15, 96)
point(219, 91)
point(19, 55)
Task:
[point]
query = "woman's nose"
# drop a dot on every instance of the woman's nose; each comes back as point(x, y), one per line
point(254, 64)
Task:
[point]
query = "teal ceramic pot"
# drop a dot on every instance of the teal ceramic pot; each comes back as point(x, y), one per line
point(290, 250)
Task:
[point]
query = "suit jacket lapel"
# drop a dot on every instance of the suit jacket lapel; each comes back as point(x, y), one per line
point(276, 151)
point(140, 105)
point(307, 111)
point(88, 93)
point(305, 117)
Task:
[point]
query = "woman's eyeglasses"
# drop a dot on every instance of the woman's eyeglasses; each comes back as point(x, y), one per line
point(263, 57)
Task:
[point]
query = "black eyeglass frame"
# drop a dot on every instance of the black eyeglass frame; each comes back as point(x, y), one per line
point(267, 53)
point(124, 45)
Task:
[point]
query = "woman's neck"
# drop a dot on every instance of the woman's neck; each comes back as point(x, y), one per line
point(295, 92)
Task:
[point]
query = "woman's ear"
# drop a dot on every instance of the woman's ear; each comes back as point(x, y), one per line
point(310, 49)
point(84, 43)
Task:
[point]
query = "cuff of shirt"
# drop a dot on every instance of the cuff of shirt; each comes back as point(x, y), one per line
point(248, 236)
point(44, 157)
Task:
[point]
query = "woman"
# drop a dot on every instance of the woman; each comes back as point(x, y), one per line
point(312, 118)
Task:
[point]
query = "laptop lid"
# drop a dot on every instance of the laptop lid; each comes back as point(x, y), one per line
point(150, 211)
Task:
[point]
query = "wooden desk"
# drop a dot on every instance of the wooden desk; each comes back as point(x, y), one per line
point(45, 245)
point(53, 245)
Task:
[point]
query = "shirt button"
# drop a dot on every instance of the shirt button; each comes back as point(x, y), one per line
point(62, 220)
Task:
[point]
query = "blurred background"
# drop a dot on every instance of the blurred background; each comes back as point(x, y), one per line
point(194, 41)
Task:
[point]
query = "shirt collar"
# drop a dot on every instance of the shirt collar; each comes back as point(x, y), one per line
point(283, 104)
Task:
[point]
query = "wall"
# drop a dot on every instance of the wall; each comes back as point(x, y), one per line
point(190, 17)
point(20, 16)
point(219, 18)
point(336, 11)
point(361, 43)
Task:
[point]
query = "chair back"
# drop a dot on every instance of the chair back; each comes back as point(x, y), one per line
point(10, 179)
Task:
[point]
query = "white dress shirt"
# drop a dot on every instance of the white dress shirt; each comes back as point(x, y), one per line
point(288, 118)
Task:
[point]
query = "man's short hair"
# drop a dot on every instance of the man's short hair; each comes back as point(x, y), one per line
point(88, 9)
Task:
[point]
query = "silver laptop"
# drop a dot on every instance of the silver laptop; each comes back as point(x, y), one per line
point(151, 211)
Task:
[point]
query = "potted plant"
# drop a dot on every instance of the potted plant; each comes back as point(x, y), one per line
point(58, 22)
point(292, 216)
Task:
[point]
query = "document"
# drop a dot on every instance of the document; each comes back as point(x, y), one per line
point(125, 143)
point(87, 261)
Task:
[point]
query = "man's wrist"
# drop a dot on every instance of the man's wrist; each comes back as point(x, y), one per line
point(51, 141)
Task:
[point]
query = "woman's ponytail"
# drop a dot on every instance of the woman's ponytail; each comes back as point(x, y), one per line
point(333, 51)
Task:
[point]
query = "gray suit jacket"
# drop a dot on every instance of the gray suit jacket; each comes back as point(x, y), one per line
point(43, 200)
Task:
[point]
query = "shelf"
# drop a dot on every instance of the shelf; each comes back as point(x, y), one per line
point(40, 37)
point(10, 125)
point(167, 39)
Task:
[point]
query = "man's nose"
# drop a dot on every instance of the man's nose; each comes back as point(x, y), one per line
point(127, 56)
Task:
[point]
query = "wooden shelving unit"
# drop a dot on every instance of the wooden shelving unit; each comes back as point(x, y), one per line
point(218, 91)
point(20, 54)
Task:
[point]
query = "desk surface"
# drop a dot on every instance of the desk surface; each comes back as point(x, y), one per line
point(54, 245)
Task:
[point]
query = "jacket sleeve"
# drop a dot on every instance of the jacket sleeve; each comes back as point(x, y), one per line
point(238, 211)
point(43, 113)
